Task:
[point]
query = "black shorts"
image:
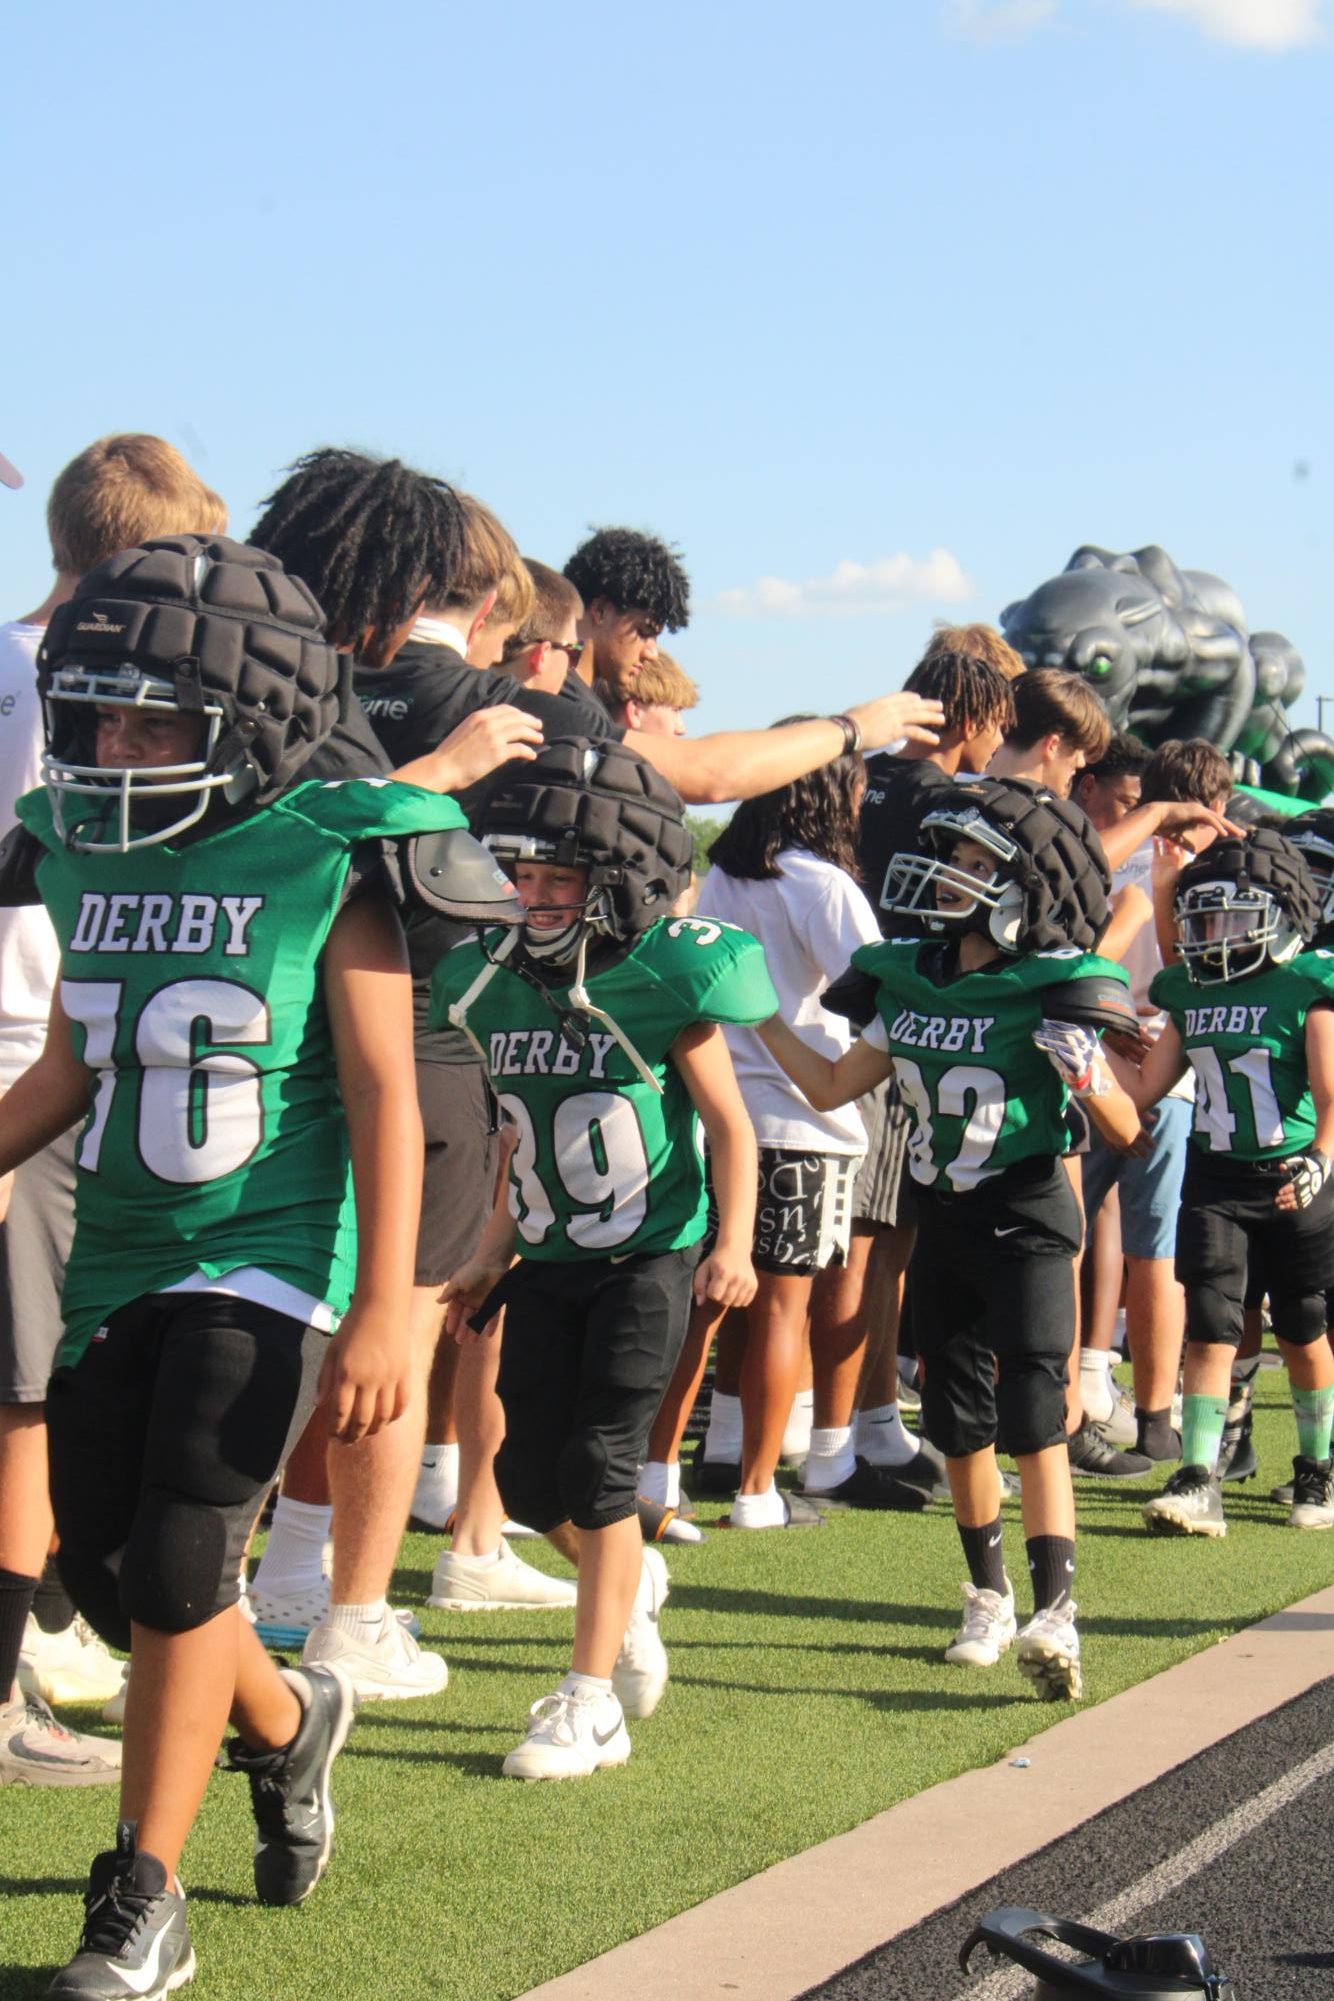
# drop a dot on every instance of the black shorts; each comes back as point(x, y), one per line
point(458, 1112)
point(803, 1211)
point(992, 1283)
point(587, 1351)
point(1232, 1241)
point(165, 1438)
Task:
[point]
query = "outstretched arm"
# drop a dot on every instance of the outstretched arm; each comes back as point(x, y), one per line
point(369, 995)
point(741, 764)
point(825, 1082)
point(1164, 1065)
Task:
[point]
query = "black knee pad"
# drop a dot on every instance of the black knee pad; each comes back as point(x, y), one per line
point(1299, 1318)
point(1213, 1319)
point(953, 1431)
point(595, 1491)
point(93, 1582)
point(179, 1568)
point(1030, 1402)
point(530, 1492)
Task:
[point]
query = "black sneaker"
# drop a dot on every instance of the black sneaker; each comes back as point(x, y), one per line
point(1312, 1494)
point(1236, 1452)
point(135, 1940)
point(1095, 1459)
point(871, 1486)
point(715, 1476)
point(289, 1789)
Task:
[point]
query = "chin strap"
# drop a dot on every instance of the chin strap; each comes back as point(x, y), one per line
point(579, 999)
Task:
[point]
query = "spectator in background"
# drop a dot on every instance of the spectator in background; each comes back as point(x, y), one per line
point(656, 701)
point(634, 588)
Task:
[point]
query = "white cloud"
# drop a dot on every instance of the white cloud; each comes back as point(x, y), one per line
point(1250, 24)
point(854, 590)
point(998, 20)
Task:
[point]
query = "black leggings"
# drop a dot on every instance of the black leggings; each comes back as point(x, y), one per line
point(164, 1438)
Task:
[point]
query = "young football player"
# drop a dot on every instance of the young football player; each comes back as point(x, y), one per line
point(1249, 1010)
point(987, 1025)
point(233, 1025)
point(600, 1026)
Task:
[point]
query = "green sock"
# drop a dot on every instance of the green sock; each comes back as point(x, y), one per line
point(1314, 1411)
point(1202, 1420)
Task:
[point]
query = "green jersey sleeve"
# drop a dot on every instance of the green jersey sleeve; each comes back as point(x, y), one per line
point(718, 971)
point(363, 809)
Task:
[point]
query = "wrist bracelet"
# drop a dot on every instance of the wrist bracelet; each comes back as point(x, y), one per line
point(852, 734)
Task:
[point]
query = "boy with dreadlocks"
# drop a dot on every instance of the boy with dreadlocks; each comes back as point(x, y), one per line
point(600, 1023)
point(987, 1026)
point(1251, 1011)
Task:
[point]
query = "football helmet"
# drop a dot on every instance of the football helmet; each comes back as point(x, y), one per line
point(1049, 883)
point(1313, 835)
point(599, 807)
point(1243, 904)
point(199, 627)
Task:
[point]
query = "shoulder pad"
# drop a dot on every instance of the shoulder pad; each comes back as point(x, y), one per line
point(1096, 1001)
point(852, 995)
point(453, 875)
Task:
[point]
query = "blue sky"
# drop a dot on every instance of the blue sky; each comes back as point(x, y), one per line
point(894, 305)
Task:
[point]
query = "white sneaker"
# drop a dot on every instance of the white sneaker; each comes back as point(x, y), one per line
point(640, 1674)
point(69, 1666)
point(288, 1618)
point(1047, 1651)
point(570, 1737)
point(35, 1750)
point(987, 1630)
point(469, 1584)
point(389, 1668)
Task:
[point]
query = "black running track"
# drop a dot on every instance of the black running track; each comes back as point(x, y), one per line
point(1237, 1844)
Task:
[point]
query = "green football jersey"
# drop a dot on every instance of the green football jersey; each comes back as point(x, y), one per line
point(1245, 1040)
point(605, 1163)
point(982, 1096)
point(191, 977)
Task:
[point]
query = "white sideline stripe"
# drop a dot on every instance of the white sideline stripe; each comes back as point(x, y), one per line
point(1010, 1981)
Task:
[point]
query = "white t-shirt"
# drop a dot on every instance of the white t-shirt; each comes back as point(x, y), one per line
point(29, 961)
point(810, 920)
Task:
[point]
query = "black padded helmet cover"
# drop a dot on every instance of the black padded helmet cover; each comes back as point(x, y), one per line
point(1260, 860)
point(221, 623)
point(1060, 868)
point(599, 806)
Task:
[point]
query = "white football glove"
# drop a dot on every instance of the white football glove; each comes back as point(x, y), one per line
point(1072, 1052)
point(1307, 1174)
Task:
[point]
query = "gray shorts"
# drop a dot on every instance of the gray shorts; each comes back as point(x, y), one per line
point(884, 1189)
point(35, 1241)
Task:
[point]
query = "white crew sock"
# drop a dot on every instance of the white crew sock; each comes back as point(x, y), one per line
point(797, 1430)
point(1097, 1391)
point(722, 1440)
point(584, 1687)
point(661, 1483)
point(831, 1459)
point(758, 1511)
point(293, 1559)
point(882, 1437)
point(363, 1622)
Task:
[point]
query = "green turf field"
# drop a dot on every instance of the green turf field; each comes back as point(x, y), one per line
point(807, 1694)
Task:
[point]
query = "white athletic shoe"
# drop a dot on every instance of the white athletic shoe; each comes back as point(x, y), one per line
point(288, 1618)
point(640, 1674)
point(389, 1668)
point(570, 1737)
point(1047, 1650)
point(69, 1666)
point(35, 1750)
point(987, 1631)
point(465, 1584)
